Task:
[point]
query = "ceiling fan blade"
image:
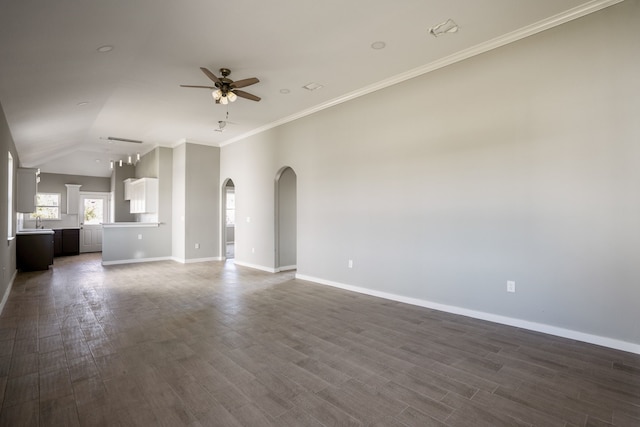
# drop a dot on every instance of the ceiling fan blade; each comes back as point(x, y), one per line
point(246, 95)
point(244, 82)
point(210, 75)
point(203, 87)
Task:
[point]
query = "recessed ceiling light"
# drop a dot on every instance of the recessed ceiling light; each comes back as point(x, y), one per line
point(285, 91)
point(82, 104)
point(312, 86)
point(97, 160)
point(378, 45)
point(105, 48)
point(445, 27)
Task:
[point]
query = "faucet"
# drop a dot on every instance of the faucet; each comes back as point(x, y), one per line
point(38, 220)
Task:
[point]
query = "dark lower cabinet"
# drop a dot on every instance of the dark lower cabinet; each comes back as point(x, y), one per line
point(70, 241)
point(57, 243)
point(34, 251)
point(66, 242)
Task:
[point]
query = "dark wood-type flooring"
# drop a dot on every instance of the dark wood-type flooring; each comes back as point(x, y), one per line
point(211, 344)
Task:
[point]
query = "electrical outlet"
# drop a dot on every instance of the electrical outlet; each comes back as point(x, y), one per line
point(197, 245)
point(511, 286)
point(253, 250)
point(139, 236)
point(350, 264)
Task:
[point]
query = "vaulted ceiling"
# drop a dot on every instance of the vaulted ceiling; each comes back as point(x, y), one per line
point(63, 98)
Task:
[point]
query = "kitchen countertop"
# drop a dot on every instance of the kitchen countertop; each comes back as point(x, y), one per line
point(129, 224)
point(32, 231)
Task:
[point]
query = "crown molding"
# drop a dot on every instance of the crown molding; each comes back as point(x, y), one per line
point(529, 30)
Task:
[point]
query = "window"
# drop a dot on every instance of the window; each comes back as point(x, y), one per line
point(10, 195)
point(47, 206)
point(231, 207)
point(93, 210)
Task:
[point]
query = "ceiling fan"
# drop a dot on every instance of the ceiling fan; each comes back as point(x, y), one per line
point(225, 89)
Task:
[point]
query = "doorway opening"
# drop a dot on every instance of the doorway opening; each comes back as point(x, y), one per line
point(229, 214)
point(286, 220)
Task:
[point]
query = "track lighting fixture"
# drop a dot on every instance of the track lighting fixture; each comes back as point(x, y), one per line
point(130, 161)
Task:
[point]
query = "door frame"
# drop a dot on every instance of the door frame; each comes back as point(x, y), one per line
point(223, 221)
point(106, 209)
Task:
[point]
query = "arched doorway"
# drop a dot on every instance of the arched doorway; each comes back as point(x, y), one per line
point(229, 219)
point(286, 220)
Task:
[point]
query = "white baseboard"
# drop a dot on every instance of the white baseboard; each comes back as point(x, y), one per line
point(5, 297)
point(256, 266)
point(194, 260)
point(519, 323)
point(286, 268)
point(136, 260)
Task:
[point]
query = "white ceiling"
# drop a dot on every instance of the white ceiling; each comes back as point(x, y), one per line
point(49, 64)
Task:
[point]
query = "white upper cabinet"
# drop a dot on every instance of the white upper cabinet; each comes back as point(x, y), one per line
point(143, 195)
point(127, 188)
point(27, 188)
point(73, 199)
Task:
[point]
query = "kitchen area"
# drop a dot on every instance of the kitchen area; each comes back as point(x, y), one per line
point(126, 217)
point(50, 218)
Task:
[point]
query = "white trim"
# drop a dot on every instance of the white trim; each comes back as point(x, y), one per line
point(518, 323)
point(5, 297)
point(208, 259)
point(137, 260)
point(194, 260)
point(286, 268)
point(483, 47)
point(255, 266)
point(129, 224)
point(181, 141)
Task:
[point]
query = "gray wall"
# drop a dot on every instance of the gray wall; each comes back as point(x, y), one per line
point(7, 251)
point(148, 165)
point(164, 162)
point(518, 164)
point(55, 183)
point(253, 166)
point(286, 220)
point(121, 207)
point(196, 201)
point(122, 244)
point(179, 201)
point(202, 203)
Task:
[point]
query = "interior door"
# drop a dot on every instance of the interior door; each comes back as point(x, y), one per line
point(94, 211)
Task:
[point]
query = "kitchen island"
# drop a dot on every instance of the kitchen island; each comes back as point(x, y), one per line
point(130, 242)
